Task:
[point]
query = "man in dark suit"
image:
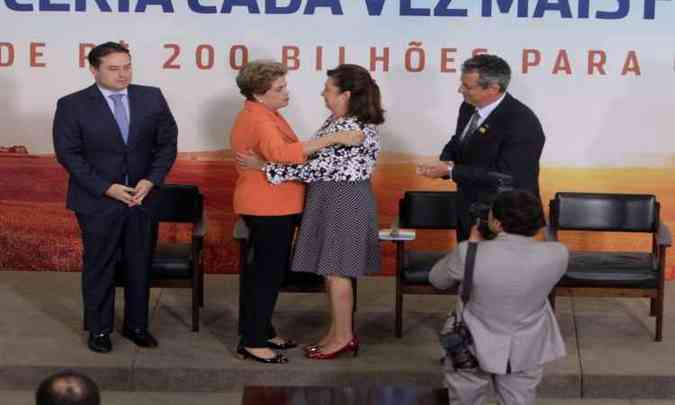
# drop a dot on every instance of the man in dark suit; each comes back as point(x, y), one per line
point(117, 142)
point(495, 133)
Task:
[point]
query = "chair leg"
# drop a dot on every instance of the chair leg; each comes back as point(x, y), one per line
point(398, 322)
point(659, 328)
point(195, 303)
point(653, 310)
point(201, 287)
point(659, 316)
point(195, 310)
point(399, 316)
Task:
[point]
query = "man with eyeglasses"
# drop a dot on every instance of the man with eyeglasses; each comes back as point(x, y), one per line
point(495, 133)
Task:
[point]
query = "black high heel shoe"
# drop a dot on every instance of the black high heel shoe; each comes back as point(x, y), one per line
point(246, 355)
point(288, 344)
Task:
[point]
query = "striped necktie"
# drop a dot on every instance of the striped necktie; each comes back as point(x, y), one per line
point(471, 127)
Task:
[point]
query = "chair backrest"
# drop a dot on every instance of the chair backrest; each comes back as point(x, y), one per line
point(179, 203)
point(428, 210)
point(604, 212)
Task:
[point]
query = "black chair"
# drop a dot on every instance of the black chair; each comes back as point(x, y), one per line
point(178, 264)
point(420, 210)
point(605, 273)
point(181, 264)
point(294, 282)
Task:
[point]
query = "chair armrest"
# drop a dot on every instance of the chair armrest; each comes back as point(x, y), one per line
point(663, 236)
point(240, 230)
point(549, 234)
point(199, 230)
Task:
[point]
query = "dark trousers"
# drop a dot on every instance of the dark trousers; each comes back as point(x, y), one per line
point(270, 241)
point(119, 241)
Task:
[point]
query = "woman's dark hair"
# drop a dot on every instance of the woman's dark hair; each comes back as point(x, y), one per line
point(519, 212)
point(365, 103)
point(103, 50)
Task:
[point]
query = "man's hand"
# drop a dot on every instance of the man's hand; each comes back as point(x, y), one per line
point(249, 160)
point(434, 170)
point(142, 189)
point(121, 193)
point(351, 138)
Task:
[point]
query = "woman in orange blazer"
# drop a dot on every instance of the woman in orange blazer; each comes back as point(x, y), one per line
point(270, 211)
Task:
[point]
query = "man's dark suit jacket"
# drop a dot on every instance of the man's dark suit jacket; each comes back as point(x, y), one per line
point(509, 141)
point(89, 145)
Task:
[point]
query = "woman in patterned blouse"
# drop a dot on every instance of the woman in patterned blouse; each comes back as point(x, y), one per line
point(338, 235)
point(269, 211)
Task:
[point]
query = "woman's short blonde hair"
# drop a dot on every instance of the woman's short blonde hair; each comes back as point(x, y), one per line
point(257, 77)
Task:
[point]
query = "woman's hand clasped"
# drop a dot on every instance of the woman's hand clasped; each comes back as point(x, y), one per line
point(249, 160)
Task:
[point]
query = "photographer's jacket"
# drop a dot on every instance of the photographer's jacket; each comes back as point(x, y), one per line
point(509, 315)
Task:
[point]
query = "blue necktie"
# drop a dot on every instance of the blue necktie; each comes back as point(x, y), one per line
point(120, 113)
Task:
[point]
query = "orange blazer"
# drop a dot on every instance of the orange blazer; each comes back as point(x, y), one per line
point(268, 134)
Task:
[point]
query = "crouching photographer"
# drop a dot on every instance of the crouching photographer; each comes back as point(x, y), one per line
point(503, 329)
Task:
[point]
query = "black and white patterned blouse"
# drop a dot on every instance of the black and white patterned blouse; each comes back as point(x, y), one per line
point(333, 163)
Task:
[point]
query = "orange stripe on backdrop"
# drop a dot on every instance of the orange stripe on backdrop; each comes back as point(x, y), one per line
point(38, 233)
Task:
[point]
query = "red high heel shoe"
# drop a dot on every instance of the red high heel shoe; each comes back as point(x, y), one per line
point(312, 348)
point(351, 347)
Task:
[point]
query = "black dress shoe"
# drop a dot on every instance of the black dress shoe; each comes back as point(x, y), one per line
point(99, 343)
point(288, 344)
point(246, 355)
point(140, 337)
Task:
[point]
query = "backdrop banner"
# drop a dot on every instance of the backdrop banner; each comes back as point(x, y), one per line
point(599, 74)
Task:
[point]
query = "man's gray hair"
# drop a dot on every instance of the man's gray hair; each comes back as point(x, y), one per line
point(491, 70)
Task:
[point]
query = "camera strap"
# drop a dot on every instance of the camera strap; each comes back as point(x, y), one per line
point(467, 284)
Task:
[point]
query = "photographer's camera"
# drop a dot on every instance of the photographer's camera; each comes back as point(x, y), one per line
point(456, 344)
point(480, 210)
